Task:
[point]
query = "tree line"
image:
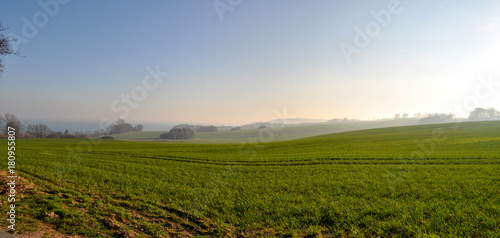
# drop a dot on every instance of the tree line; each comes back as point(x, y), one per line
point(43, 131)
point(32, 130)
point(197, 128)
point(178, 134)
point(186, 131)
point(478, 114)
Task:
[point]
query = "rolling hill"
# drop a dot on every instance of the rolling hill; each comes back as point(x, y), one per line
point(272, 133)
point(411, 181)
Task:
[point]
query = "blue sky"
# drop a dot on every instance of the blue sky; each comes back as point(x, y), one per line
point(261, 57)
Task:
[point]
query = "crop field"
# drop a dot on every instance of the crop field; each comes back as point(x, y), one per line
point(412, 181)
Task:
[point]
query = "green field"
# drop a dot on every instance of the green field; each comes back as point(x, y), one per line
point(413, 181)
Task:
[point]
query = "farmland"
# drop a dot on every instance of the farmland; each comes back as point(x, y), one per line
point(412, 181)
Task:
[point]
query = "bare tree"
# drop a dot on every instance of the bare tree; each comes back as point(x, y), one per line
point(39, 130)
point(11, 121)
point(5, 47)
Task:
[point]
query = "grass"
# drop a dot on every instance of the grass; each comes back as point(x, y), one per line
point(413, 181)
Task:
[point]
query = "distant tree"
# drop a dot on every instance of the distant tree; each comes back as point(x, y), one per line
point(417, 115)
point(405, 115)
point(139, 127)
point(334, 120)
point(53, 135)
point(484, 114)
point(236, 128)
point(27, 135)
point(206, 129)
point(196, 128)
point(121, 127)
point(178, 134)
point(66, 132)
point(262, 127)
point(39, 130)
point(5, 47)
point(434, 118)
point(11, 121)
point(397, 116)
point(120, 121)
point(1, 122)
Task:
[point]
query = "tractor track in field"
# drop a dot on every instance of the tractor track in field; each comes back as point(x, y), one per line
point(174, 222)
point(319, 161)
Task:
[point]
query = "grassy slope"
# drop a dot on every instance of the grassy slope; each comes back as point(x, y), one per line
point(288, 132)
point(377, 182)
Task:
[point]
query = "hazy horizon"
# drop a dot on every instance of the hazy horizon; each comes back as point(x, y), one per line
point(91, 125)
point(255, 62)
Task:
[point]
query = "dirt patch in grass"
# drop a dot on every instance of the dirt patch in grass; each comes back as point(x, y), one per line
point(25, 188)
